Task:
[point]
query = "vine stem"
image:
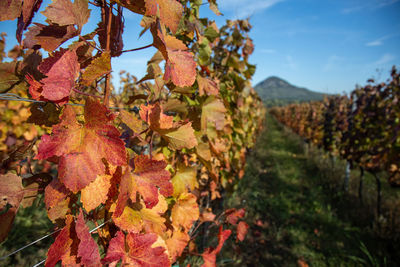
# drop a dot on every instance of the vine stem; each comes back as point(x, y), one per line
point(107, 86)
point(137, 49)
point(83, 93)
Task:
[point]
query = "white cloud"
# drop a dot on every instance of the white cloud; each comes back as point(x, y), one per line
point(375, 43)
point(379, 41)
point(386, 58)
point(368, 4)
point(246, 8)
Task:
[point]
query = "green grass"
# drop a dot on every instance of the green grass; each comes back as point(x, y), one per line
point(303, 218)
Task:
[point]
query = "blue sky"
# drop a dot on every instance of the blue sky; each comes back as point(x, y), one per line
point(324, 45)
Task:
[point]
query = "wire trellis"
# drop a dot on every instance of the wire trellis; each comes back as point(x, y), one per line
point(44, 237)
point(14, 97)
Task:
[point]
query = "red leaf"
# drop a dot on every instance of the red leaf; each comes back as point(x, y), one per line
point(233, 215)
point(81, 148)
point(150, 175)
point(61, 70)
point(87, 249)
point(78, 170)
point(242, 228)
point(61, 245)
point(136, 251)
point(6, 222)
point(210, 255)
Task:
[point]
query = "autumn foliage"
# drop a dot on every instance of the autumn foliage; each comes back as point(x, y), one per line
point(144, 164)
point(362, 128)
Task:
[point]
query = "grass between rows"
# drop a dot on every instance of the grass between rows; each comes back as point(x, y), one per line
point(296, 216)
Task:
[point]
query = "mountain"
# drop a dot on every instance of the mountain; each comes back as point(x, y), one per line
point(275, 89)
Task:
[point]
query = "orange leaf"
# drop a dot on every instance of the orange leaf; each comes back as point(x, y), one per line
point(185, 211)
point(170, 12)
point(178, 136)
point(56, 199)
point(96, 192)
point(150, 220)
point(177, 243)
point(180, 68)
point(242, 228)
point(11, 190)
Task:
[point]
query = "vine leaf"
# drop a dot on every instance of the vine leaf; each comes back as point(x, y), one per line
point(61, 70)
point(233, 215)
point(149, 220)
point(97, 68)
point(73, 245)
point(117, 28)
point(170, 12)
point(180, 67)
point(29, 8)
point(149, 175)
point(185, 178)
point(210, 254)
point(207, 86)
point(10, 9)
point(88, 252)
point(96, 192)
point(136, 250)
point(177, 243)
point(49, 37)
point(185, 211)
point(242, 228)
point(135, 124)
point(81, 147)
point(64, 12)
point(61, 247)
point(56, 199)
point(11, 193)
point(177, 135)
point(213, 111)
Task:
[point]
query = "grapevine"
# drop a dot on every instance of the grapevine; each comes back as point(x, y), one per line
point(142, 165)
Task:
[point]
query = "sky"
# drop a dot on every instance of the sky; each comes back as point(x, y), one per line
point(328, 46)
